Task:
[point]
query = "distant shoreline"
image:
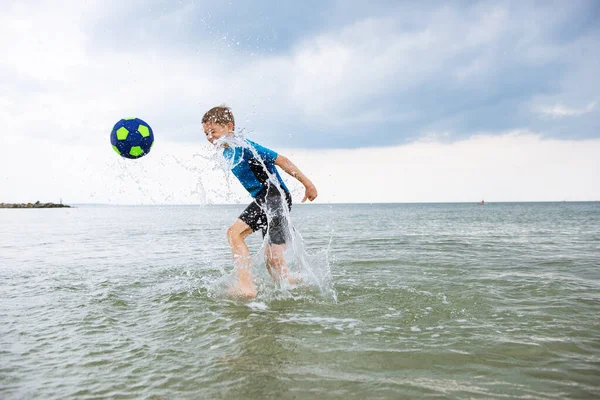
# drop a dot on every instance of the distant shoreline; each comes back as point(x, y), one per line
point(37, 204)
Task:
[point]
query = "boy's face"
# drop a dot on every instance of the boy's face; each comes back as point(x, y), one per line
point(214, 131)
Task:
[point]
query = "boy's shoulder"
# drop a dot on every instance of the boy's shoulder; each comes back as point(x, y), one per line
point(252, 143)
point(249, 151)
point(257, 145)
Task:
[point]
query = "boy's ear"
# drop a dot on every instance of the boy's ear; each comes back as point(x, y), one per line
point(230, 125)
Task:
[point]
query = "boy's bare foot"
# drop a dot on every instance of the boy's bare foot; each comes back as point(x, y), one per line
point(240, 289)
point(286, 276)
point(243, 284)
point(294, 279)
point(242, 292)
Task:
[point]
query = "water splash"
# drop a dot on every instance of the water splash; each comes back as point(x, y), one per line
point(313, 270)
point(208, 166)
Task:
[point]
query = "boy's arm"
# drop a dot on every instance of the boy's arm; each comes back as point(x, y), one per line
point(285, 164)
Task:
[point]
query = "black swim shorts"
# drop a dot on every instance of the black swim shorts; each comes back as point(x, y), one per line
point(267, 214)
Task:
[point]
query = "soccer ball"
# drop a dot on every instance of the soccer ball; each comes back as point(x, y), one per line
point(132, 138)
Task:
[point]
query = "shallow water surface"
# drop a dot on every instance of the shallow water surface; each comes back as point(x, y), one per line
point(427, 300)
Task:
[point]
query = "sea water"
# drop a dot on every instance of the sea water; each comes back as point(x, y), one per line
point(433, 300)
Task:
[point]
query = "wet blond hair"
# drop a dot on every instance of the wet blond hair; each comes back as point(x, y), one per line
point(219, 115)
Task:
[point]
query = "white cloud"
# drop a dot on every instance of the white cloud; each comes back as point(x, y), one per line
point(560, 111)
point(62, 89)
point(375, 56)
point(60, 82)
point(517, 166)
point(579, 87)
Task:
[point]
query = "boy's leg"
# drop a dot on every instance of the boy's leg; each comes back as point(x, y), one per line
point(241, 258)
point(276, 264)
point(278, 235)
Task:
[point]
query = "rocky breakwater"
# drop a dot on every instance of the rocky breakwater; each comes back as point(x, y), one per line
point(37, 204)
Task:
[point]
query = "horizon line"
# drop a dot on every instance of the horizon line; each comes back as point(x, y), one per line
point(343, 203)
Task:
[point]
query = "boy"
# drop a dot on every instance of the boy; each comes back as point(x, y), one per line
point(254, 166)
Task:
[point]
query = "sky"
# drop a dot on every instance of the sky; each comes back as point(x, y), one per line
point(379, 101)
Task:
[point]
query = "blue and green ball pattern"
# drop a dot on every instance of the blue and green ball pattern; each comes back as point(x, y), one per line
point(132, 138)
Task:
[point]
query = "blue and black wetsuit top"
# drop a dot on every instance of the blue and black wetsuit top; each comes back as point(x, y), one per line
point(251, 171)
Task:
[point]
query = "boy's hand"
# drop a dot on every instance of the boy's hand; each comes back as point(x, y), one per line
point(310, 193)
point(284, 163)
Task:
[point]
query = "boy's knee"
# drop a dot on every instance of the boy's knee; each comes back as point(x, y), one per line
point(231, 233)
point(274, 256)
point(272, 261)
point(234, 233)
